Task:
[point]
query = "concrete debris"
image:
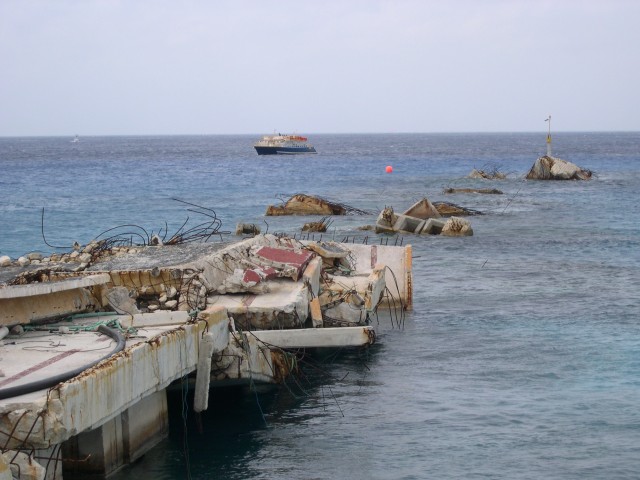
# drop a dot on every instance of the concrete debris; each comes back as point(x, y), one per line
point(23, 466)
point(422, 209)
point(552, 168)
point(302, 204)
point(487, 191)
point(120, 301)
point(249, 278)
point(285, 298)
point(334, 256)
point(447, 209)
point(247, 229)
point(168, 307)
point(457, 227)
point(424, 218)
point(320, 226)
point(289, 262)
point(352, 299)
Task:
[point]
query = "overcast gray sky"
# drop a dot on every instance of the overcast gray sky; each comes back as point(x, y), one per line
point(93, 67)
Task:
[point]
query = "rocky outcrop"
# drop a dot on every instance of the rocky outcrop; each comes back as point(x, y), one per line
point(551, 168)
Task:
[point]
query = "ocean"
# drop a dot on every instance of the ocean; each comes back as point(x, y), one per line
point(519, 360)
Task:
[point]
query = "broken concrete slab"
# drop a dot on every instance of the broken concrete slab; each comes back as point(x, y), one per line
point(20, 304)
point(301, 204)
point(290, 262)
point(310, 338)
point(328, 249)
point(286, 305)
point(120, 300)
point(433, 226)
point(422, 209)
point(334, 255)
point(447, 209)
point(247, 360)
point(311, 276)
point(353, 298)
point(251, 280)
point(486, 191)
point(151, 360)
point(397, 262)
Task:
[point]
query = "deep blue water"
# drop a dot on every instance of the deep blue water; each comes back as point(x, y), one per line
point(520, 359)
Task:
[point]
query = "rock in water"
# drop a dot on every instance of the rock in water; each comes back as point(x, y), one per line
point(551, 168)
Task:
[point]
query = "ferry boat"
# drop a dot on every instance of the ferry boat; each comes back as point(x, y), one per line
point(283, 144)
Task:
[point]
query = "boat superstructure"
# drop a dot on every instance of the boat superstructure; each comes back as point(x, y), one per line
point(283, 144)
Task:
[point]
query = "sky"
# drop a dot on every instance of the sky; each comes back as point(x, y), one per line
point(162, 67)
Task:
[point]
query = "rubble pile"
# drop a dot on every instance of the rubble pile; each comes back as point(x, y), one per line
point(264, 282)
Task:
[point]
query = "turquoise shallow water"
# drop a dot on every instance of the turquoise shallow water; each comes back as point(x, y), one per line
point(520, 359)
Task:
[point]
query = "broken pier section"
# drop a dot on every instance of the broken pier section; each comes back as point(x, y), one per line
point(223, 314)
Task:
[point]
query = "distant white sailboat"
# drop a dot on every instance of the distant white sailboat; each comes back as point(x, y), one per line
point(76, 139)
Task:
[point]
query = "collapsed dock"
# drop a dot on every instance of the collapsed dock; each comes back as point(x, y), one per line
point(130, 322)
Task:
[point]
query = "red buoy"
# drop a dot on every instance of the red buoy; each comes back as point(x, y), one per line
point(389, 169)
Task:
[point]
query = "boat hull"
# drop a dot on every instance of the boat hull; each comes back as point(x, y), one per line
point(274, 150)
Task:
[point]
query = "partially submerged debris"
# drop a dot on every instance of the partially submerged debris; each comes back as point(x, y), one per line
point(491, 175)
point(447, 209)
point(302, 204)
point(488, 191)
point(422, 209)
point(457, 227)
point(320, 226)
point(552, 168)
point(423, 217)
point(247, 229)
